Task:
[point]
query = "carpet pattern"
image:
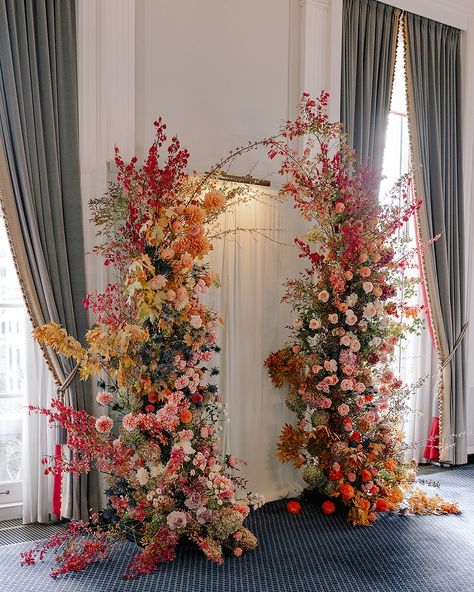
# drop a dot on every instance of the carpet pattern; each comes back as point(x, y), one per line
point(14, 531)
point(308, 552)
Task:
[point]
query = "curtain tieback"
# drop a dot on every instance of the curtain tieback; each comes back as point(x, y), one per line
point(456, 345)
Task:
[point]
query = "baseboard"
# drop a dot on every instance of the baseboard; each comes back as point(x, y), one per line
point(11, 511)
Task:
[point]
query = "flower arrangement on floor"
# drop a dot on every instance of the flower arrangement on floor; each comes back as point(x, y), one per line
point(152, 347)
point(348, 402)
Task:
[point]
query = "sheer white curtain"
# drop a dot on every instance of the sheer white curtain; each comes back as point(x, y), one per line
point(419, 361)
point(252, 270)
point(38, 438)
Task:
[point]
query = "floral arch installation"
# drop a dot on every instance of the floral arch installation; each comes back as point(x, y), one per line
point(153, 342)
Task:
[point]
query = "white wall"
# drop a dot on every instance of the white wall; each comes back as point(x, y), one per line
point(218, 71)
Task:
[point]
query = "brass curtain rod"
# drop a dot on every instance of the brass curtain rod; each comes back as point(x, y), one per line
point(247, 179)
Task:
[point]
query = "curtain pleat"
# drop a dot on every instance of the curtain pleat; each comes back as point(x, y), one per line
point(41, 183)
point(369, 41)
point(434, 113)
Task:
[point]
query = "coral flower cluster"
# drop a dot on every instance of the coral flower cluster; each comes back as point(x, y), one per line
point(157, 440)
point(348, 322)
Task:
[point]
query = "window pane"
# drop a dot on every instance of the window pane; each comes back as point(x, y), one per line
point(12, 364)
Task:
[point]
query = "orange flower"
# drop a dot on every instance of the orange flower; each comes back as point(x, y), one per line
point(363, 504)
point(186, 416)
point(390, 465)
point(365, 475)
point(346, 491)
point(194, 215)
point(382, 504)
point(213, 200)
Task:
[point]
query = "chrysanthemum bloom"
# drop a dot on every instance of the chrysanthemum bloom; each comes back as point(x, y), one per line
point(213, 200)
point(104, 424)
point(104, 397)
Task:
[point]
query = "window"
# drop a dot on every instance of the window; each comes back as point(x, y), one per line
point(12, 377)
point(412, 357)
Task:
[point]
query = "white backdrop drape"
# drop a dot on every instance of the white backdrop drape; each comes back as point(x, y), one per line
point(38, 438)
point(252, 270)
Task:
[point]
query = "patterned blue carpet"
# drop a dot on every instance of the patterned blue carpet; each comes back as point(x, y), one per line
point(298, 553)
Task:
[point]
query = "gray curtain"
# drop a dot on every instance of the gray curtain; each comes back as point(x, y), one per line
point(39, 129)
point(369, 40)
point(434, 101)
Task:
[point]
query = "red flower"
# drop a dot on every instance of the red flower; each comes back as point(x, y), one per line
point(293, 507)
point(365, 475)
point(328, 508)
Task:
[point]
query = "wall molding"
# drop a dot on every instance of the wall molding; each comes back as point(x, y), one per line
point(106, 88)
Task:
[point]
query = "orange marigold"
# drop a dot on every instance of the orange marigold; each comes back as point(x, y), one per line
point(365, 475)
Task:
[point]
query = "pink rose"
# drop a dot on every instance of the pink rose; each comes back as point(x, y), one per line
point(323, 296)
point(195, 321)
point(345, 340)
point(314, 324)
point(347, 384)
point(339, 207)
point(351, 477)
point(360, 387)
point(351, 319)
point(333, 318)
point(343, 409)
point(296, 349)
point(367, 287)
point(297, 323)
point(238, 551)
point(330, 365)
point(365, 272)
